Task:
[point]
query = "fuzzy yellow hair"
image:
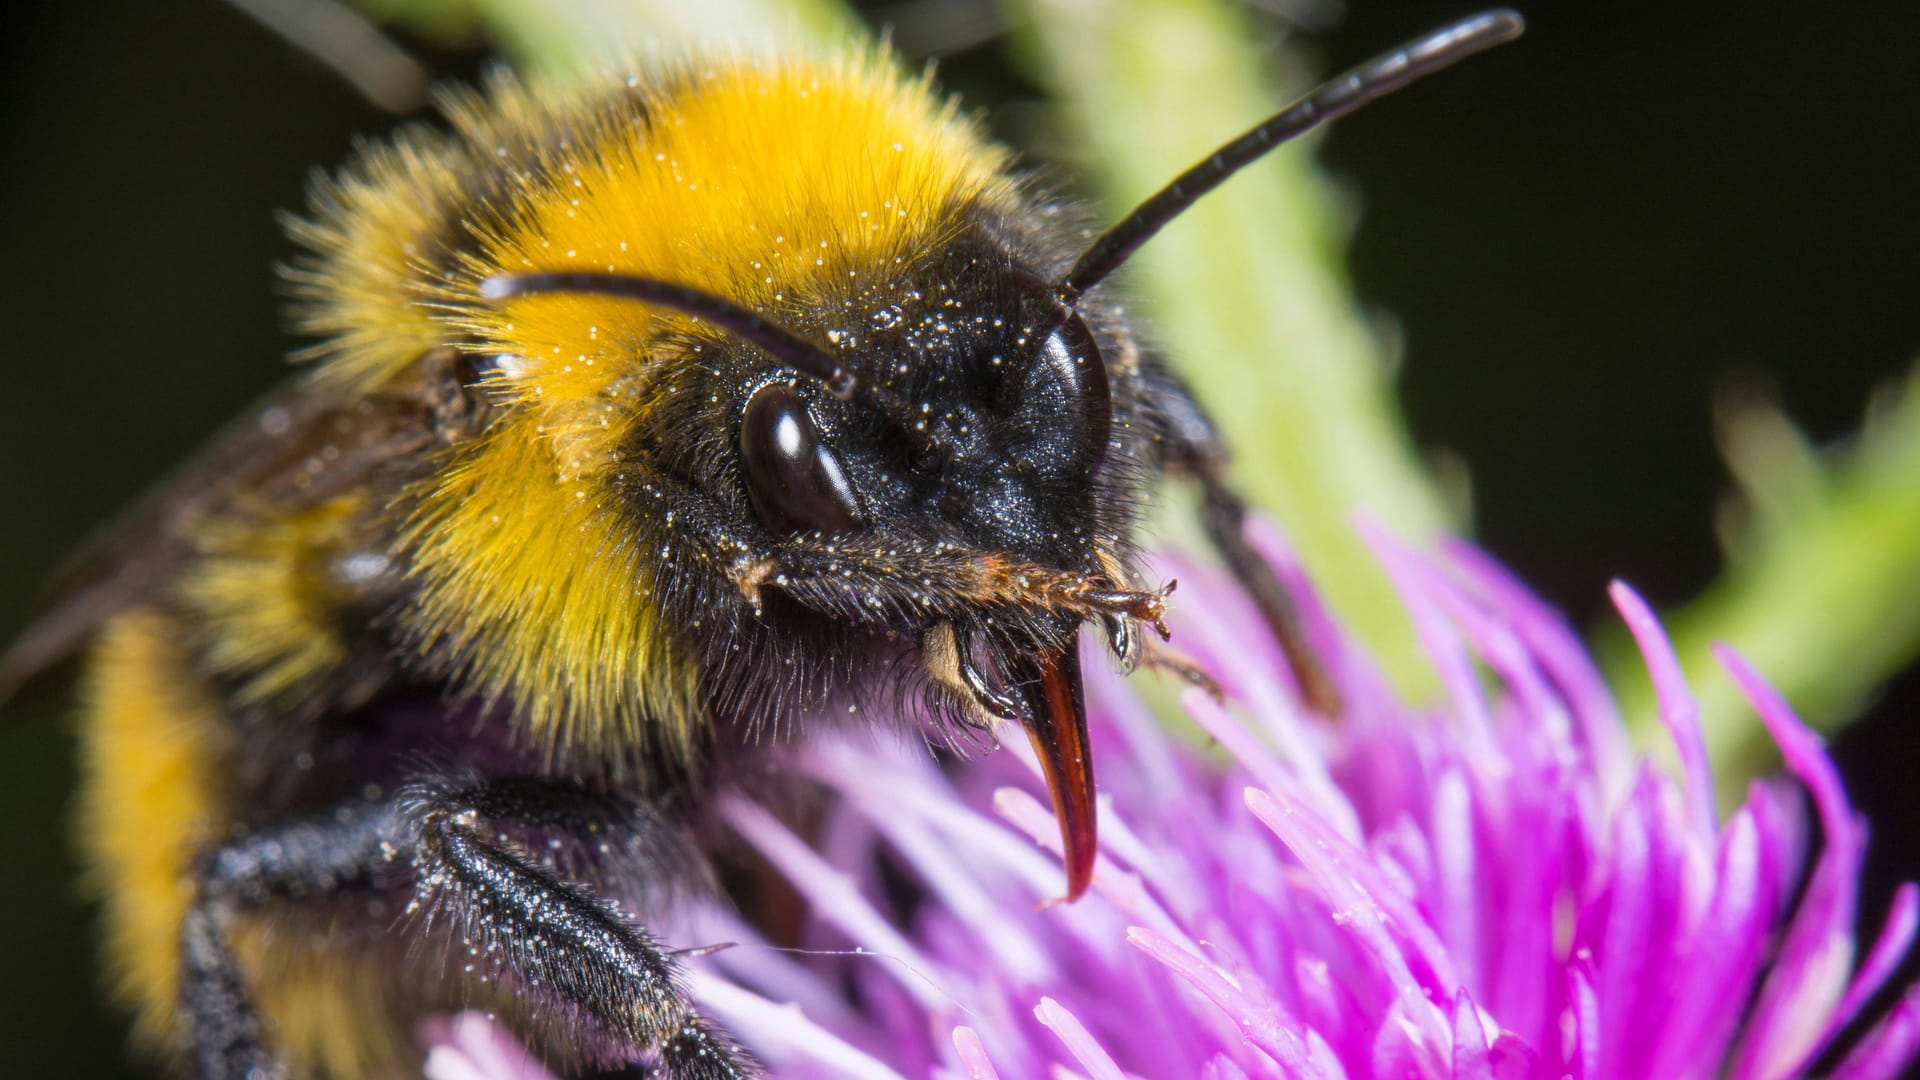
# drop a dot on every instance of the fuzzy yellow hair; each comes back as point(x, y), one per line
point(767, 183)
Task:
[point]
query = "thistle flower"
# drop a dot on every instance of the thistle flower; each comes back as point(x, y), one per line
point(1490, 887)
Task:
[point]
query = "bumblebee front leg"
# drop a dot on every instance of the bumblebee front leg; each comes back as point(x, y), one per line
point(552, 936)
point(1190, 446)
point(451, 840)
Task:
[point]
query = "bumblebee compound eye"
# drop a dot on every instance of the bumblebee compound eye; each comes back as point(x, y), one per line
point(1070, 356)
point(794, 480)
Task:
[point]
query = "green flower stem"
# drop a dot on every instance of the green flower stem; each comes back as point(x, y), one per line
point(558, 38)
point(1249, 290)
point(1822, 586)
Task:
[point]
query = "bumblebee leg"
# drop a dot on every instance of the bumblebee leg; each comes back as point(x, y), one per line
point(453, 841)
point(1156, 655)
point(552, 936)
point(1190, 446)
point(306, 859)
point(223, 1031)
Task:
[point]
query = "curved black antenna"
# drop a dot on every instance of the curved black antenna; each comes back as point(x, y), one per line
point(1370, 81)
point(785, 345)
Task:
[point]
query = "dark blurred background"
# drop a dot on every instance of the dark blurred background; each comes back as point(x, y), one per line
point(1654, 203)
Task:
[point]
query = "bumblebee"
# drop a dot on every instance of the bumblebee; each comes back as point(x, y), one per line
point(653, 421)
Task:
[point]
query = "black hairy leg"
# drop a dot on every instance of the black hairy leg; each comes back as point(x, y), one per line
point(465, 848)
point(553, 937)
point(302, 860)
point(1190, 446)
point(222, 1028)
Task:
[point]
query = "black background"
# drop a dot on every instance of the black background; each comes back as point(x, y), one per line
point(1657, 202)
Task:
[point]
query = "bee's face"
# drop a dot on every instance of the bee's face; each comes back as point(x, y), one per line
point(985, 422)
point(961, 515)
point(983, 431)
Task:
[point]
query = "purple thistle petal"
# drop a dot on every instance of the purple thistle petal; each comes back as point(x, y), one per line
point(1619, 929)
point(1548, 855)
point(1559, 653)
point(470, 1046)
point(773, 974)
point(1219, 1067)
point(1472, 1057)
point(1327, 1005)
point(913, 787)
point(963, 894)
point(782, 1033)
point(1890, 1048)
point(1488, 888)
point(1726, 951)
point(973, 1056)
point(1790, 1020)
point(1364, 907)
point(1453, 890)
point(1678, 865)
point(1078, 1041)
point(1896, 937)
point(1119, 888)
point(1366, 691)
point(828, 891)
point(1263, 1023)
point(1444, 645)
point(1546, 740)
point(1316, 785)
point(1679, 712)
point(1163, 774)
point(1513, 1059)
point(1582, 1033)
point(1248, 676)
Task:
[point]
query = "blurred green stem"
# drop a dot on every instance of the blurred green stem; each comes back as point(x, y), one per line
point(1249, 289)
point(562, 36)
point(1822, 586)
point(567, 37)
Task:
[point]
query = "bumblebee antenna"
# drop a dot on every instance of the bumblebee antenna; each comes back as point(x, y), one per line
point(785, 345)
point(1370, 81)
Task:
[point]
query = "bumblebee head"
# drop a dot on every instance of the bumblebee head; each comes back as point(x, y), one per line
point(946, 460)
